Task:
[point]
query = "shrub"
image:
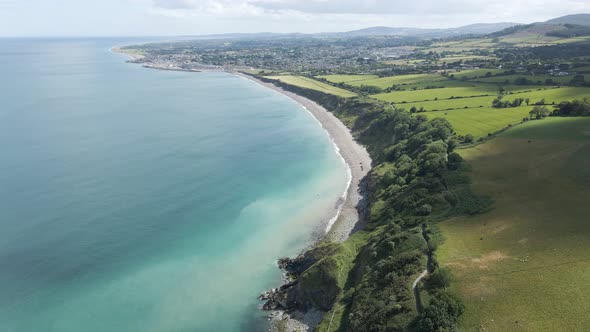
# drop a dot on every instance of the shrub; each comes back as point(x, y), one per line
point(442, 313)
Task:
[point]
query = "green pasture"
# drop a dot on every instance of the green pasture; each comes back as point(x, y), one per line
point(348, 78)
point(407, 96)
point(536, 79)
point(450, 104)
point(480, 122)
point(525, 265)
point(475, 73)
point(386, 82)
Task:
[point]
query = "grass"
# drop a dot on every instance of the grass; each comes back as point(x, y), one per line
point(308, 83)
point(535, 94)
point(470, 74)
point(348, 78)
point(480, 122)
point(525, 265)
point(536, 78)
point(447, 104)
point(384, 82)
point(471, 90)
point(552, 95)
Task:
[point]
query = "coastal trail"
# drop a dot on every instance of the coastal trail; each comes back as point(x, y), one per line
point(424, 273)
point(417, 291)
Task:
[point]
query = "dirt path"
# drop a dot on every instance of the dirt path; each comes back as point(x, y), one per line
point(419, 306)
point(417, 291)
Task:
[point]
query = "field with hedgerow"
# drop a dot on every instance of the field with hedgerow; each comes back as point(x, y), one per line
point(525, 265)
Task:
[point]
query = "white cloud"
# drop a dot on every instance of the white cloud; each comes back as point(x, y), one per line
point(399, 7)
point(417, 13)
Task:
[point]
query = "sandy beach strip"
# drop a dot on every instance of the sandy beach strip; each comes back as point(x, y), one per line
point(354, 154)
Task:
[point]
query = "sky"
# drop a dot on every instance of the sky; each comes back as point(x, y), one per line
point(200, 17)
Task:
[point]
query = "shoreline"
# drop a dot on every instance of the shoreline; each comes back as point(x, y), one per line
point(354, 155)
point(131, 56)
point(349, 215)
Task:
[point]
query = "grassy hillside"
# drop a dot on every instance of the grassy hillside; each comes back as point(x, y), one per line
point(525, 265)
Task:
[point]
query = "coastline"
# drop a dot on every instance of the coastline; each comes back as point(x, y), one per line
point(354, 155)
point(349, 215)
point(132, 56)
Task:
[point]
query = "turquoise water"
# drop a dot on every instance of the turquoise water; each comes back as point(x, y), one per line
point(142, 200)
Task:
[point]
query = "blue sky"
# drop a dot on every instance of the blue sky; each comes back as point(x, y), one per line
point(193, 17)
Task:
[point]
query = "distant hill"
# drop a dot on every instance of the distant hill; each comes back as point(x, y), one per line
point(543, 32)
point(473, 29)
point(578, 19)
point(553, 27)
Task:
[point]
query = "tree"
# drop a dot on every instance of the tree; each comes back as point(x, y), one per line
point(434, 157)
point(539, 112)
point(522, 81)
point(441, 278)
point(468, 139)
point(573, 108)
point(442, 313)
point(540, 102)
point(527, 101)
point(578, 80)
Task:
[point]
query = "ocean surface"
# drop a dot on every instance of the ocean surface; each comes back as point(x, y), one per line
point(141, 200)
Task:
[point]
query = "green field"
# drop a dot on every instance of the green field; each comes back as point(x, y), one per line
point(470, 74)
point(535, 79)
point(308, 83)
point(534, 94)
point(480, 122)
point(472, 90)
point(384, 82)
point(475, 115)
point(525, 265)
point(448, 104)
point(348, 78)
point(469, 110)
point(552, 95)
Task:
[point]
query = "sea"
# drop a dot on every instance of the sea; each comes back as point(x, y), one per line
point(134, 199)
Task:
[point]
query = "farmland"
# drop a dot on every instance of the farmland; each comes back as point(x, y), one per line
point(467, 90)
point(535, 79)
point(312, 84)
point(384, 82)
point(480, 122)
point(524, 265)
point(466, 100)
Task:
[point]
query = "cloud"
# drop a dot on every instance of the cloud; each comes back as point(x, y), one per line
point(176, 4)
point(378, 7)
point(416, 13)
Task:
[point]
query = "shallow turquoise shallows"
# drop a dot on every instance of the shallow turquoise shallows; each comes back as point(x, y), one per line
point(142, 200)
